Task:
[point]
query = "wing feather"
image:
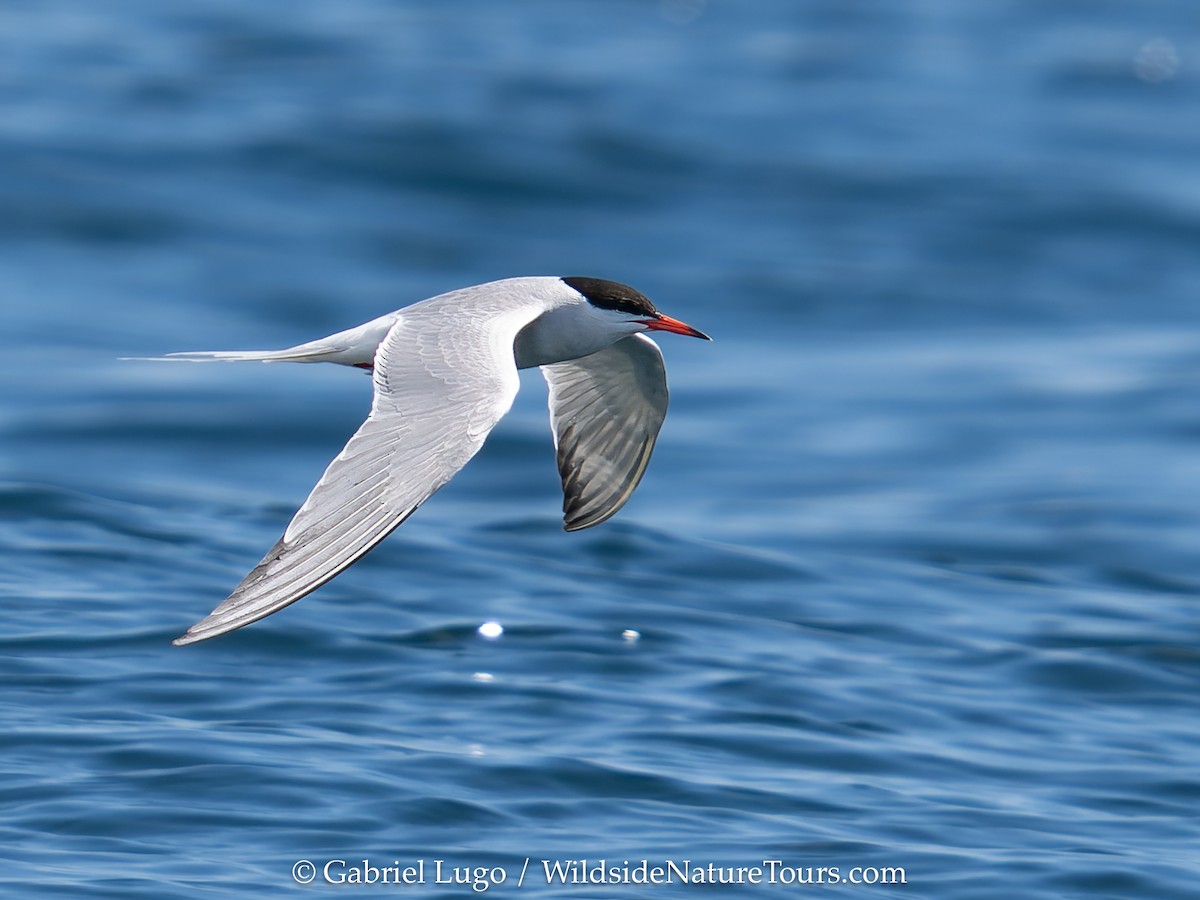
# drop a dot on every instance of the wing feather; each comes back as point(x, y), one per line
point(440, 388)
point(606, 410)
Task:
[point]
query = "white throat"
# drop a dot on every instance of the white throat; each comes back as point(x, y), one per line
point(570, 331)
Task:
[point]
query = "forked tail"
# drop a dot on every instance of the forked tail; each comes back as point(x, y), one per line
point(354, 347)
point(293, 355)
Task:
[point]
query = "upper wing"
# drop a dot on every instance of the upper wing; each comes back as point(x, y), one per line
point(440, 388)
point(605, 411)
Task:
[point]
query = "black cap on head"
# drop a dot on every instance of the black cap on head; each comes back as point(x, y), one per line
point(612, 295)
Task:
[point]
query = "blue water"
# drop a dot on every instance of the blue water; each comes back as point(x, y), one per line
point(913, 574)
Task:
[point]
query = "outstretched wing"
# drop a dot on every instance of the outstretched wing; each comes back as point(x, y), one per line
point(605, 412)
point(440, 388)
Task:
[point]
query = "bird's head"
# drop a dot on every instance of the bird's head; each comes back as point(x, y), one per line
point(627, 309)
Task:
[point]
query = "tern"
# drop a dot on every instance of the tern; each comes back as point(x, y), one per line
point(444, 373)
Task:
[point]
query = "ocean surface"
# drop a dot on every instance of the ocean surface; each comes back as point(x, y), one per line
point(912, 582)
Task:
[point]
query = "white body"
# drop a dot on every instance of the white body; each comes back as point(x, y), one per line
point(445, 371)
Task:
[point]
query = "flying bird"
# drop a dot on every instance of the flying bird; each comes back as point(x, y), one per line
point(444, 373)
